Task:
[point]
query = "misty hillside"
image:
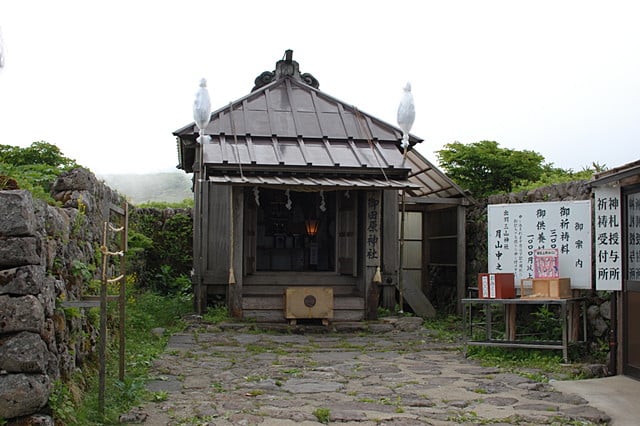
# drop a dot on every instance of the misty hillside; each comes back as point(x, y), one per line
point(171, 187)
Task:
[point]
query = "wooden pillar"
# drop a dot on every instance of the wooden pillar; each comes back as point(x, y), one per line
point(620, 326)
point(372, 251)
point(390, 248)
point(510, 321)
point(461, 257)
point(236, 251)
point(199, 240)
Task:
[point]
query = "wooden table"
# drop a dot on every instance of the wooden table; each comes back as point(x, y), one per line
point(570, 312)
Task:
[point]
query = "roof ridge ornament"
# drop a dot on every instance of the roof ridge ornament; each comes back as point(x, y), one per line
point(285, 67)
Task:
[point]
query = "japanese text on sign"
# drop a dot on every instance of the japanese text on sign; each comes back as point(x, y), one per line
point(372, 253)
point(517, 231)
point(633, 237)
point(608, 244)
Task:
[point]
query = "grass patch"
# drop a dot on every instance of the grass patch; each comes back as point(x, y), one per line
point(217, 314)
point(445, 329)
point(534, 364)
point(144, 311)
point(322, 414)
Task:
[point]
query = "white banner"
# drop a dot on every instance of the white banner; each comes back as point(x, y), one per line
point(515, 231)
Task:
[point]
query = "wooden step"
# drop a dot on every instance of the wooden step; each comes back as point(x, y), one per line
point(259, 290)
point(288, 279)
point(278, 316)
point(277, 303)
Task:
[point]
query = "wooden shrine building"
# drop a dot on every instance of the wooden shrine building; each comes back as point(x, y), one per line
point(297, 207)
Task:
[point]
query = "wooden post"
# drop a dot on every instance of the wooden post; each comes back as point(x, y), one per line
point(510, 318)
point(461, 257)
point(401, 262)
point(103, 325)
point(390, 248)
point(123, 281)
point(235, 289)
point(372, 251)
point(198, 236)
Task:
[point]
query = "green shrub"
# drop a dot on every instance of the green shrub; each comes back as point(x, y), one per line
point(161, 249)
point(322, 414)
point(34, 168)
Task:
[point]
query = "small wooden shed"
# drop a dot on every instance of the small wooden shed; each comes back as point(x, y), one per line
point(297, 201)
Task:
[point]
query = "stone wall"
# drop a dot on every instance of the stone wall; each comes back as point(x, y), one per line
point(47, 255)
point(599, 311)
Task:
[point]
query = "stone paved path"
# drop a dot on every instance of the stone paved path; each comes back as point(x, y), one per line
point(232, 376)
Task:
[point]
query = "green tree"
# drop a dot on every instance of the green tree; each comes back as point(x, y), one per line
point(38, 153)
point(552, 175)
point(485, 168)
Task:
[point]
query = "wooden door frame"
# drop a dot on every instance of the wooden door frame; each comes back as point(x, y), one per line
point(628, 287)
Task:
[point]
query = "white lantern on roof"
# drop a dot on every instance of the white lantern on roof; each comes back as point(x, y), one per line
point(406, 114)
point(202, 108)
point(2, 54)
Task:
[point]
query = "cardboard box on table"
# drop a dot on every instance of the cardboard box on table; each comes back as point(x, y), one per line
point(545, 288)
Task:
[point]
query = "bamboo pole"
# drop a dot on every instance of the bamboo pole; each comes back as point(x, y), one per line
point(103, 324)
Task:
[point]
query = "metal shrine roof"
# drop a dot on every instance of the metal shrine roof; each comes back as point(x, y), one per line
point(299, 183)
point(288, 131)
point(616, 174)
point(429, 180)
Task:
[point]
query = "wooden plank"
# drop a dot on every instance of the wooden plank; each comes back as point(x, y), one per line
point(80, 304)
point(418, 301)
point(216, 232)
point(110, 298)
point(117, 209)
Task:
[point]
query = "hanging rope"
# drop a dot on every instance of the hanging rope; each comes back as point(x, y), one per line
point(116, 279)
point(235, 140)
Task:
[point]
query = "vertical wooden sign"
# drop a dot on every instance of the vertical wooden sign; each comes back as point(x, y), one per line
point(373, 218)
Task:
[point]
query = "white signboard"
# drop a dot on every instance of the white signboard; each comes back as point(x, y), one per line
point(608, 247)
point(515, 231)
